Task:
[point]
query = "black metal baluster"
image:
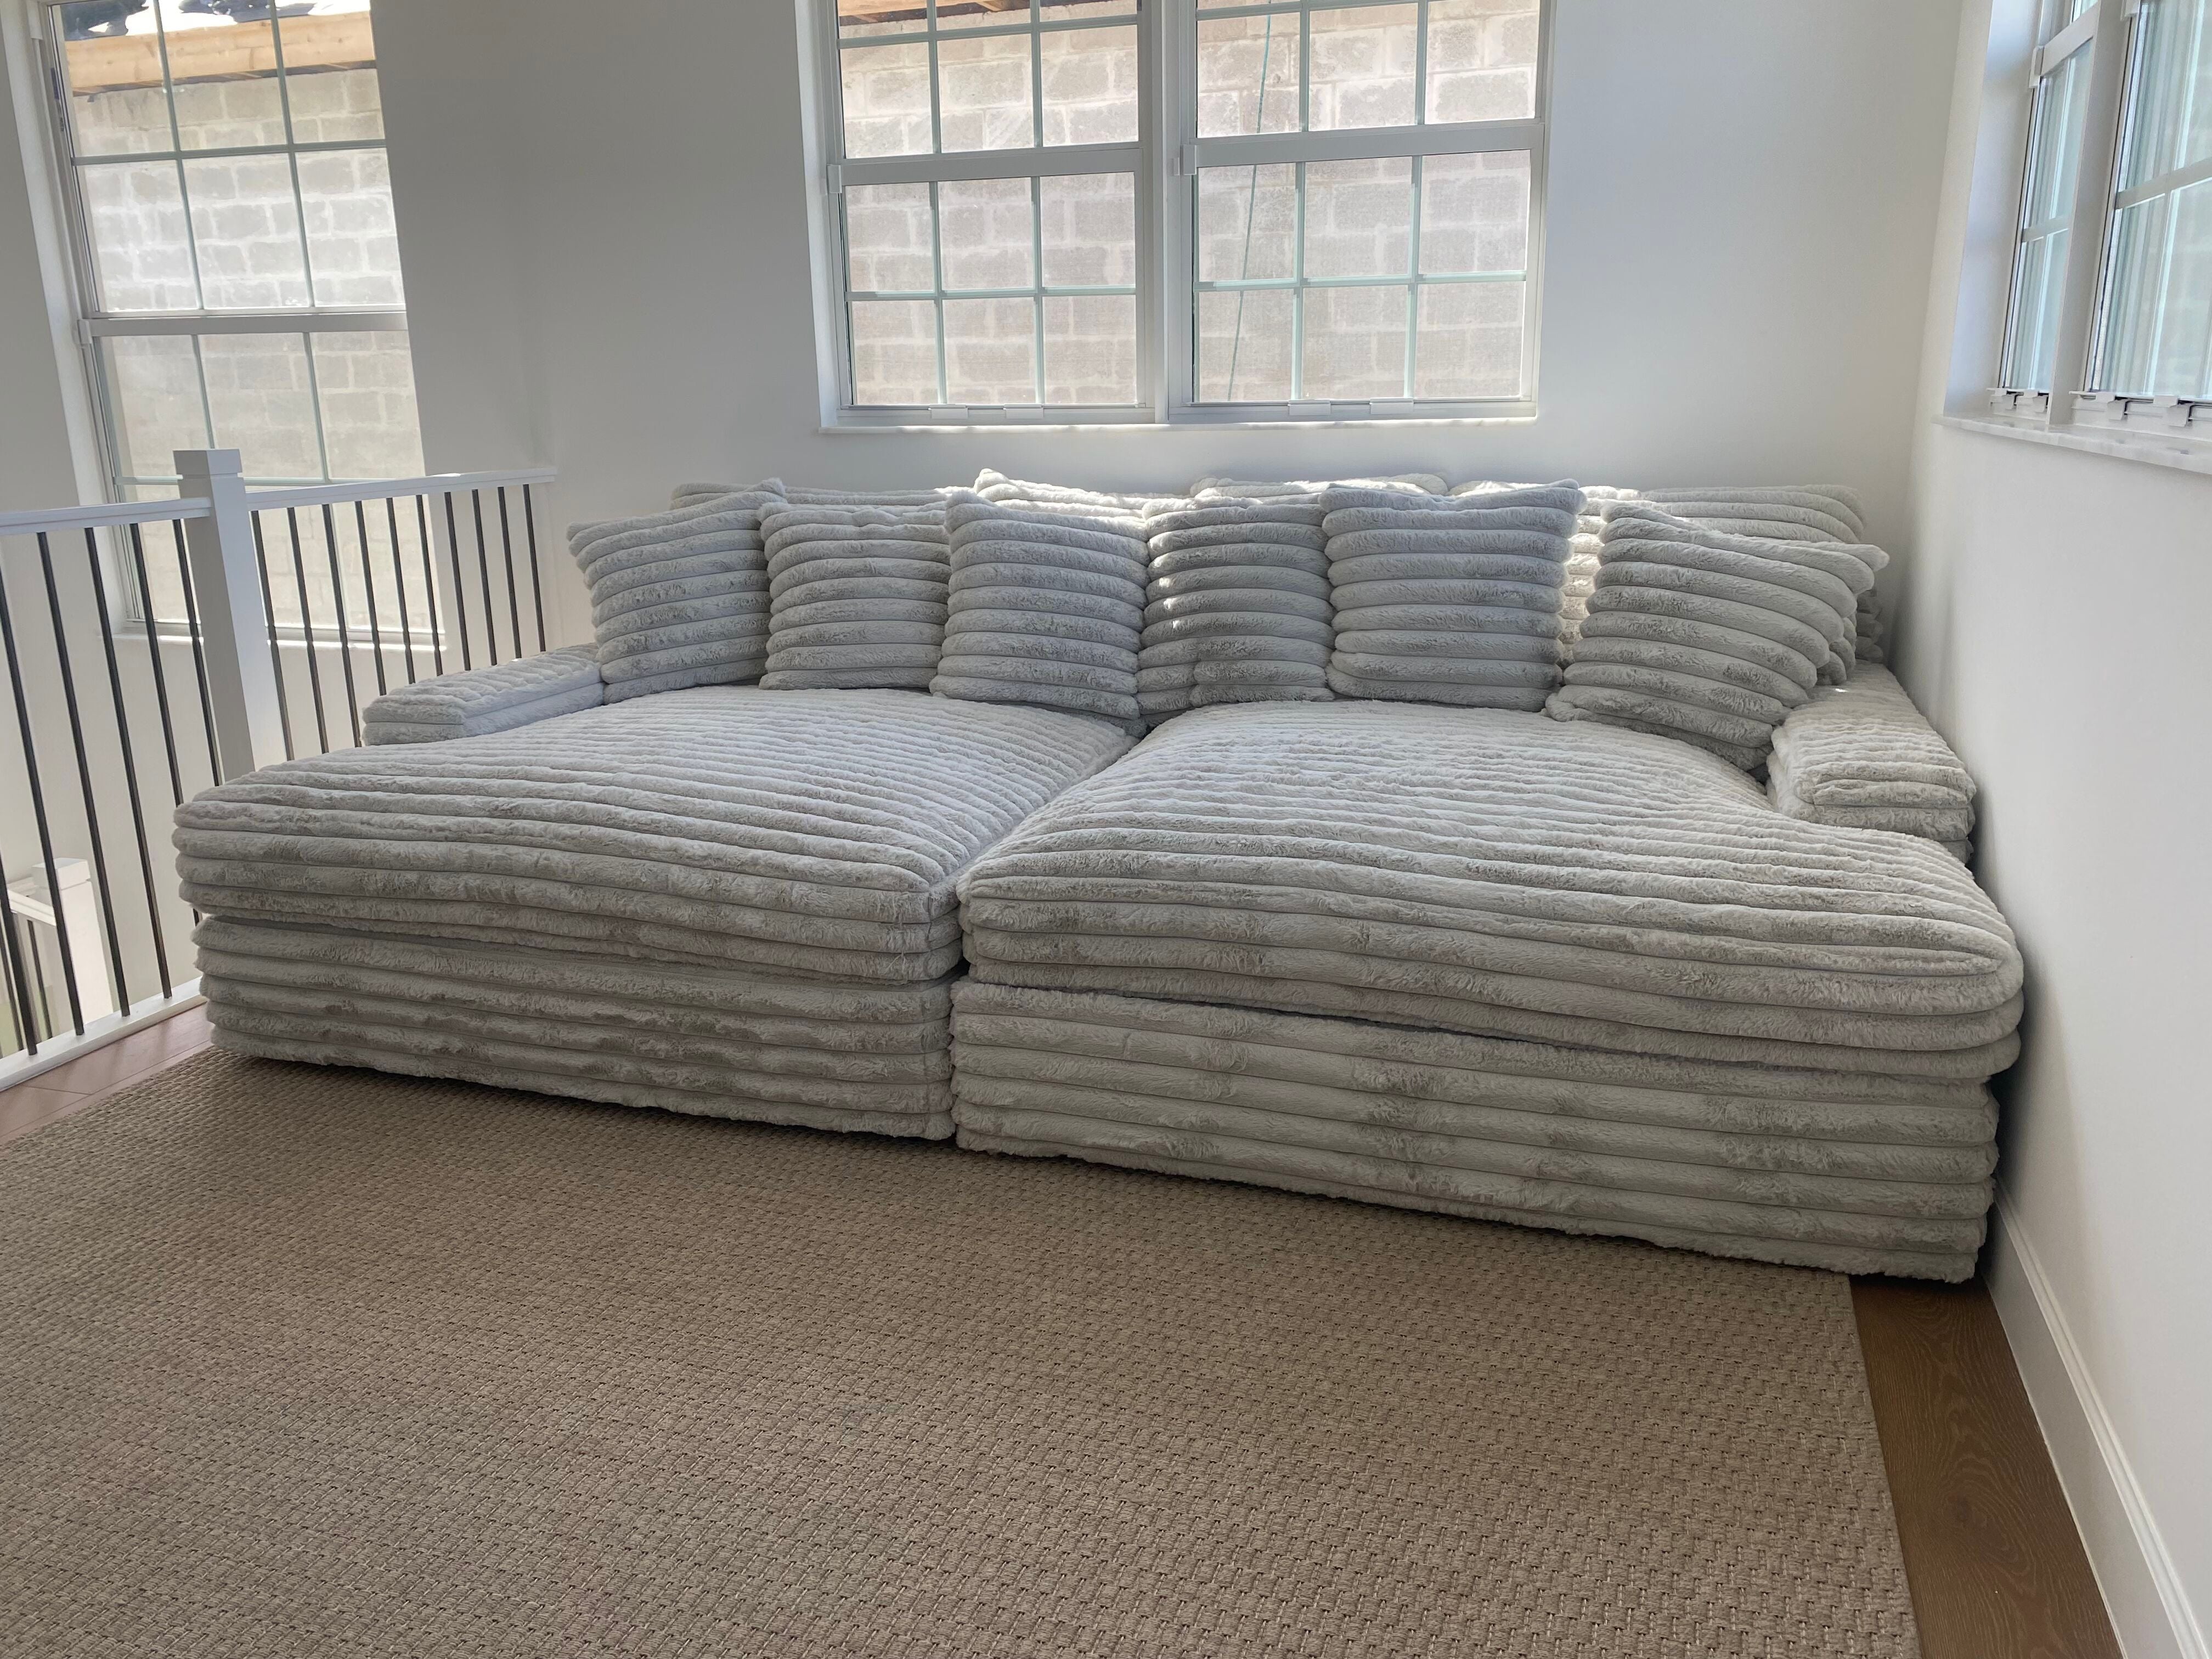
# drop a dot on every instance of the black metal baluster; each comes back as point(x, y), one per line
point(460, 587)
point(39, 804)
point(483, 574)
point(345, 639)
point(160, 679)
point(20, 1008)
point(399, 581)
point(429, 584)
point(129, 769)
point(368, 586)
point(84, 775)
point(514, 592)
point(537, 594)
point(307, 627)
point(275, 651)
point(199, 650)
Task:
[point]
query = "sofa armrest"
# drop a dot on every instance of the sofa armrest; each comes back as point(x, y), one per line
point(479, 701)
point(1860, 756)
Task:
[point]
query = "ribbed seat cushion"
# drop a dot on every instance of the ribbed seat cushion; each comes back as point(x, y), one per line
point(1862, 756)
point(1499, 873)
point(1446, 601)
point(818, 832)
point(856, 596)
point(1237, 605)
point(678, 598)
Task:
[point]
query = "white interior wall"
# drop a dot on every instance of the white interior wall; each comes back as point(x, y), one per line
point(602, 215)
point(2048, 625)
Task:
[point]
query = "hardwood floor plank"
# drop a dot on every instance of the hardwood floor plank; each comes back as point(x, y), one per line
point(28, 1105)
point(1997, 1567)
point(92, 1077)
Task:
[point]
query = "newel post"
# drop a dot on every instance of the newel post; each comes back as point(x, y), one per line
point(233, 621)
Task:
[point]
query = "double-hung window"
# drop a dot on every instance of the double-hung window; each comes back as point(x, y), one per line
point(1180, 210)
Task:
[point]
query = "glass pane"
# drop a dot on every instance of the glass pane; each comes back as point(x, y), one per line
point(1090, 348)
point(2035, 314)
point(352, 243)
point(1355, 343)
point(894, 351)
point(367, 384)
point(983, 93)
point(2160, 333)
point(1469, 340)
point(118, 103)
point(227, 90)
point(1247, 74)
point(1052, 11)
point(857, 19)
point(2054, 153)
point(1363, 63)
point(1475, 213)
point(1090, 85)
point(987, 234)
point(1359, 218)
point(154, 385)
point(982, 13)
point(1482, 60)
point(1244, 346)
point(1087, 223)
point(1248, 221)
point(887, 240)
point(263, 403)
point(330, 73)
point(246, 230)
point(886, 96)
point(990, 351)
point(141, 247)
point(2170, 125)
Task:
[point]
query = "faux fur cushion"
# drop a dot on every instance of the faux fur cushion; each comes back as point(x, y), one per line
point(1582, 554)
point(1047, 607)
point(680, 598)
point(856, 597)
point(1259, 490)
point(1446, 601)
point(1810, 513)
point(473, 701)
point(1709, 637)
point(1862, 756)
point(1018, 492)
point(1236, 605)
point(690, 495)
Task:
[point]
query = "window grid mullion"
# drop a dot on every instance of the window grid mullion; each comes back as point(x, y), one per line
point(1037, 280)
point(936, 107)
point(1299, 278)
point(1413, 264)
point(937, 277)
point(315, 402)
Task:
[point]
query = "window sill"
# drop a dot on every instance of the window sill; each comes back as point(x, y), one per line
point(2188, 454)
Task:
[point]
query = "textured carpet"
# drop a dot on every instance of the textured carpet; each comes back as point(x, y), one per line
point(303, 1362)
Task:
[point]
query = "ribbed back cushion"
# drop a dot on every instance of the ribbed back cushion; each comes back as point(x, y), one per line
point(679, 597)
point(1709, 637)
point(1582, 553)
point(1444, 601)
point(686, 495)
point(1259, 490)
point(1236, 605)
point(1022, 492)
point(856, 596)
point(1796, 512)
point(1046, 607)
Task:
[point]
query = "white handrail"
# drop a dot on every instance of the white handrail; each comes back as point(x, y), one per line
point(101, 514)
point(376, 490)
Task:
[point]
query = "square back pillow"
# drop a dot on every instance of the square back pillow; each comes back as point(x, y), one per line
point(856, 596)
point(1237, 607)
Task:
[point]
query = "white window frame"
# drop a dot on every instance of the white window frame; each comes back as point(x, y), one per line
point(1166, 159)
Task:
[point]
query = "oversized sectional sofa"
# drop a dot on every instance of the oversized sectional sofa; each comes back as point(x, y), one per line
point(1366, 840)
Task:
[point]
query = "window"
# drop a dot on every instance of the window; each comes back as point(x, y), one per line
point(238, 267)
point(2119, 151)
point(1182, 210)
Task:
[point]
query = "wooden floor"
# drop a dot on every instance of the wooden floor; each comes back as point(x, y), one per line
point(1997, 1567)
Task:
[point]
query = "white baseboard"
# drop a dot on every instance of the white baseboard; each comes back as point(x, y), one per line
point(2143, 1593)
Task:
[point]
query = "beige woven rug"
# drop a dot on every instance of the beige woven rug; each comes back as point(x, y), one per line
point(297, 1362)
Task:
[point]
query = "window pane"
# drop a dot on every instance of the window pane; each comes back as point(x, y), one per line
point(1090, 348)
point(1052, 9)
point(1482, 60)
point(1090, 85)
point(857, 19)
point(894, 351)
point(1359, 218)
point(352, 243)
point(955, 15)
point(2035, 314)
point(118, 103)
point(1247, 74)
point(259, 393)
point(886, 98)
point(1089, 230)
point(987, 236)
point(887, 240)
point(226, 81)
point(1363, 63)
point(2054, 154)
point(1475, 213)
point(990, 351)
point(983, 93)
point(330, 76)
point(1355, 343)
point(1248, 221)
point(140, 247)
point(1244, 346)
point(245, 229)
point(1469, 342)
point(2159, 341)
point(367, 384)
point(154, 385)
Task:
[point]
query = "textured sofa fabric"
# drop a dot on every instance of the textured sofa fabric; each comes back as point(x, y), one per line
point(994, 486)
point(690, 494)
point(856, 596)
point(1789, 512)
point(678, 598)
point(1418, 484)
point(477, 701)
point(1446, 600)
point(1862, 757)
point(1237, 605)
point(1580, 576)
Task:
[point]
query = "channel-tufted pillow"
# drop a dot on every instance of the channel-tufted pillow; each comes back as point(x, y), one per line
point(1582, 554)
point(856, 597)
point(994, 486)
point(1444, 601)
point(1237, 605)
point(1416, 484)
point(1046, 607)
point(1709, 637)
point(678, 598)
point(1809, 513)
point(687, 495)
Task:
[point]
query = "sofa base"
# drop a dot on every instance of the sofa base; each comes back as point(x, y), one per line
point(717, 1043)
point(1856, 1174)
